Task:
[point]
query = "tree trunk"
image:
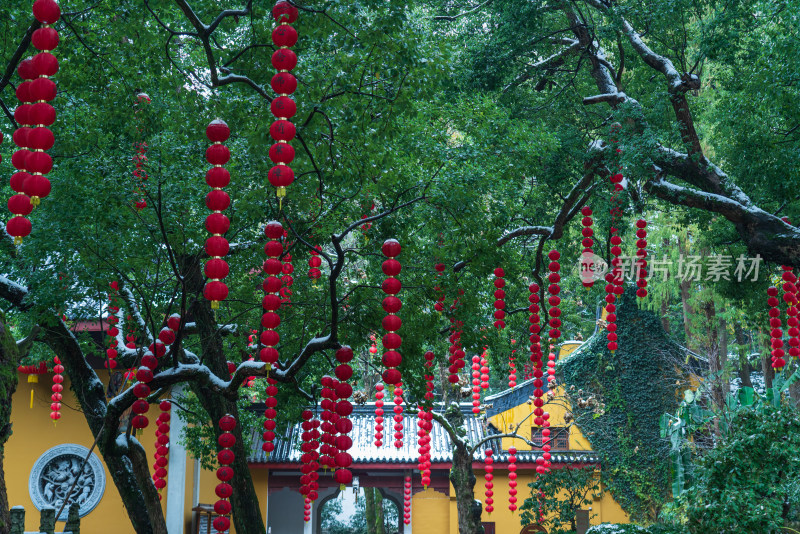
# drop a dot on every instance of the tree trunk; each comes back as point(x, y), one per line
point(8, 384)
point(369, 502)
point(744, 361)
point(463, 479)
point(713, 348)
point(724, 381)
point(138, 494)
point(246, 511)
point(380, 520)
point(687, 309)
point(665, 315)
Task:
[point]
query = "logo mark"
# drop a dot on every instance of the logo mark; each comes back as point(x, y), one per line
point(591, 267)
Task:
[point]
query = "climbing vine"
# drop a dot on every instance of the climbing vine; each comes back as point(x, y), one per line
point(637, 384)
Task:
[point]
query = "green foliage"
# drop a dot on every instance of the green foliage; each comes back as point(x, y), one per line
point(641, 376)
point(564, 492)
point(748, 483)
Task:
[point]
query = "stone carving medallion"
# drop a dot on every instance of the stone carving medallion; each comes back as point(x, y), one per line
point(55, 472)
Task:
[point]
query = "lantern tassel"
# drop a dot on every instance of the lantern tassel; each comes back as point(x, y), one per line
point(17, 240)
point(31, 398)
point(35, 201)
point(214, 304)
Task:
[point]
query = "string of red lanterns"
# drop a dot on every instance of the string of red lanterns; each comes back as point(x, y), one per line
point(34, 115)
point(790, 297)
point(162, 446)
point(776, 333)
point(439, 306)
point(217, 200)
point(283, 108)
point(308, 470)
point(225, 457)
point(270, 413)
point(554, 300)
point(112, 320)
point(425, 423)
point(641, 258)
point(328, 404)
point(58, 379)
point(144, 374)
point(484, 371)
point(476, 385)
point(398, 415)
point(489, 477)
point(512, 370)
point(391, 304)
point(271, 302)
point(344, 425)
point(288, 280)
point(407, 500)
point(140, 158)
point(614, 279)
point(379, 395)
point(512, 479)
point(499, 295)
point(314, 263)
point(588, 241)
point(457, 354)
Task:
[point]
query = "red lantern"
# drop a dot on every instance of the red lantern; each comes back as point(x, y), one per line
point(407, 500)
point(776, 332)
point(554, 300)
point(224, 491)
point(162, 439)
point(641, 255)
point(391, 267)
point(379, 414)
point(58, 378)
point(499, 295)
point(512, 482)
point(283, 107)
point(587, 243)
point(217, 200)
point(343, 425)
point(476, 385)
point(398, 415)
point(314, 263)
point(489, 476)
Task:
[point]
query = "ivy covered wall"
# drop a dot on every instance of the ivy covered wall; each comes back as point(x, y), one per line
point(637, 383)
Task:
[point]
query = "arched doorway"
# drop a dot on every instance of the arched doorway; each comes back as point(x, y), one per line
point(346, 511)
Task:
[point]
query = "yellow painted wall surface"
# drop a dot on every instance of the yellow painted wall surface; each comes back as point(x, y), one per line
point(34, 434)
point(430, 512)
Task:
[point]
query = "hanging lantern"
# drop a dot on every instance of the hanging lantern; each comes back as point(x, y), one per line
point(776, 333)
point(554, 300)
point(344, 425)
point(271, 302)
point(425, 423)
point(614, 279)
point(499, 295)
point(536, 349)
point(34, 116)
point(489, 476)
point(457, 354)
point(287, 279)
point(512, 479)
point(314, 263)
point(309, 456)
point(641, 255)
point(545, 464)
point(327, 404)
point(225, 457)
point(162, 447)
point(271, 403)
point(587, 242)
point(407, 500)
point(217, 200)
point(140, 175)
point(439, 306)
point(283, 108)
point(391, 304)
point(111, 352)
point(33, 373)
point(58, 378)
point(476, 385)
point(484, 370)
point(398, 415)
point(512, 371)
point(379, 414)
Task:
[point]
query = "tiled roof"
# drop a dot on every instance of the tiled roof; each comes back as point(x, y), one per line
point(364, 451)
